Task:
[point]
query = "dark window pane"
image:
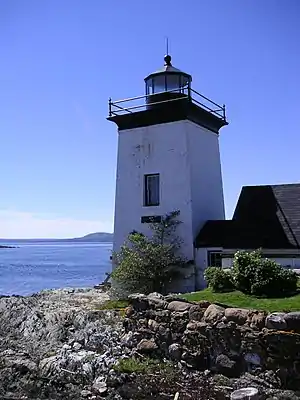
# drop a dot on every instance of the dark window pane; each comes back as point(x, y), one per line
point(151, 190)
point(214, 259)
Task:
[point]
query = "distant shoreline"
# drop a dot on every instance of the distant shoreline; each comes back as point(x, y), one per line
point(99, 237)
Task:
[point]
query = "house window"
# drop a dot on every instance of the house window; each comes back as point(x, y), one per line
point(214, 258)
point(151, 190)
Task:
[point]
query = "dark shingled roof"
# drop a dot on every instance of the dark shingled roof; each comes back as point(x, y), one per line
point(265, 216)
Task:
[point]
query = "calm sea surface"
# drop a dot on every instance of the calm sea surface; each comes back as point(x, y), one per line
point(36, 266)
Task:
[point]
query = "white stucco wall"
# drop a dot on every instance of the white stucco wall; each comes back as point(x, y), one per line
point(187, 158)
point(206, 176)
point(155, 149)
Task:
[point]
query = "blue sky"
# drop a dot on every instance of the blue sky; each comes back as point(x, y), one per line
point(62, 60)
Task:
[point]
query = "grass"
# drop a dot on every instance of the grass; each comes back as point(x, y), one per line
point(232, 299)
point(140, 366)
point(114, 305)
point(241, 300)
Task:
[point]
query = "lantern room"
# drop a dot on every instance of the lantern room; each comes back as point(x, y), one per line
point(168, 79)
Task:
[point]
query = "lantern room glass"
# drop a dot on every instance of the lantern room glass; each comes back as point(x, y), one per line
point(167, 82)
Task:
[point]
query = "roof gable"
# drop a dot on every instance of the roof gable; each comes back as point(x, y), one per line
point(265, 216)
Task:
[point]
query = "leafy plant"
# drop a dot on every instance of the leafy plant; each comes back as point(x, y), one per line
point(218, 279)
point(255, 275)
point(150, 264)
point(244, 267)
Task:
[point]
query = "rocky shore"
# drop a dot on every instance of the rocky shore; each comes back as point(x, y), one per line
point(62, 344)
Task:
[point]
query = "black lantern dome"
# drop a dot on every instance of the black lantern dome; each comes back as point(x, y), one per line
point(167, 79)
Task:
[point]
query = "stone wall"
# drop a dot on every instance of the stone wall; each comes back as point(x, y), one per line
point(204, 336)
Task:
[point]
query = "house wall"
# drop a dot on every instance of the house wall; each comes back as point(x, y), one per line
point(282, 257)
point(201, 262)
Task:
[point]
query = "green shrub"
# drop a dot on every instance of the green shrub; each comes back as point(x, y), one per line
point(244, 268)
point(258, 276)
point(149, 264)
point(218, 279)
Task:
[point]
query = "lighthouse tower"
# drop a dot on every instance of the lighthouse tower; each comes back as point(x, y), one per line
point(168, 157)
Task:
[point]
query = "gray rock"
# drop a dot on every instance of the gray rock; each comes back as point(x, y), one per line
point(213, 313)
point(276, 321)
point(237, 315)
point(196, 326)
point(85, 393)
point(293, 320)
point(139, 301)
point(196, 313)
point(77, 346)
point(99, 385)
point(179, 306)
point(226, 366)
point(175, 351)
point(245, 394)
point(147, 346)
point(258, 320)
point(155, 295)
point(153, 325)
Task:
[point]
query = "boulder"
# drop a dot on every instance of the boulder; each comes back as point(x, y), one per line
point(175, 351)
point(139, 301)
point(179, 306)
point(293, 320)
point(155, 295)
point(156, 301)
point(226, 366)
point(237, 315)
point(196, 313)
point(258, 320)
point(153, 325)
point(99, 385)
point(213, 313)
point(276, 321)
point(249, 393)
point(147, 346)
point(197, 326)
point(203, 304)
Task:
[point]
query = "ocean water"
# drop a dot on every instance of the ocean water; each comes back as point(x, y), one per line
point(32, 267)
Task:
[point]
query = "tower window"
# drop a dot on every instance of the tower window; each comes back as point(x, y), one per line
point(151, 190)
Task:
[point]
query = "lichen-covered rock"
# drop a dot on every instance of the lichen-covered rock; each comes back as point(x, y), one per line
point(153, 325)
point(175, 351)
point(257, 319)
point(237, 315)
point(293, 320)
point(139, 301)
point(179, 306)
point(226, 366)
point(196, 313)
point(213, 313)
point(147, 346)
point(276, 321)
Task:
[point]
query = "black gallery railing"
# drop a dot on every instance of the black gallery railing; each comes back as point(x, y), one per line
point(141, 103)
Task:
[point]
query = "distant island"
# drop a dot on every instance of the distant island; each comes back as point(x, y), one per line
point(94, 237)
point(97, 237)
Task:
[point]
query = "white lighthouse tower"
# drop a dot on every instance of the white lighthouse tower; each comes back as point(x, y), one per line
point(168, 157)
